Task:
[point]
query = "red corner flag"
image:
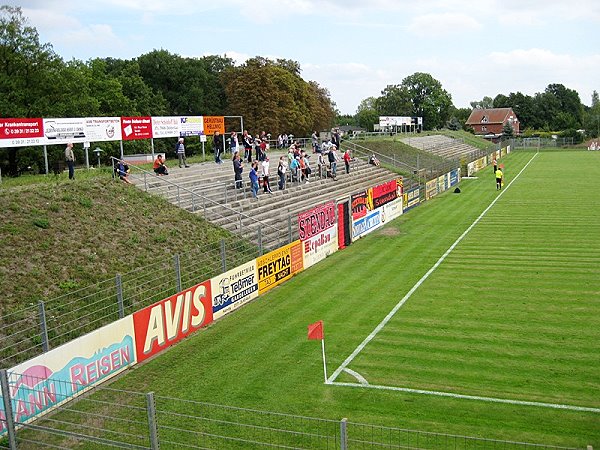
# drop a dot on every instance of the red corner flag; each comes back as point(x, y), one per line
point(315, 330)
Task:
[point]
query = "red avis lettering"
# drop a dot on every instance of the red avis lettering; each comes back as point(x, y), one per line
point(168, 321)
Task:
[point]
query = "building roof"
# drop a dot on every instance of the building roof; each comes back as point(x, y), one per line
point(490, 116)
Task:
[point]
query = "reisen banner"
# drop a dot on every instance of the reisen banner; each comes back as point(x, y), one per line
point(234, 288)
point(318, 232)
point(44, 382)
point(168, 321)
point(279, 265)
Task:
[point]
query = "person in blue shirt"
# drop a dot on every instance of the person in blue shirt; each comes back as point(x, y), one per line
point(254, 179)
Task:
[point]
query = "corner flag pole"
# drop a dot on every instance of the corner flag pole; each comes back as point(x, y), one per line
point(324, 362)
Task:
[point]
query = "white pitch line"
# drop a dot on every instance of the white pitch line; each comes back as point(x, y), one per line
point(399, 305)
point(362, 380)
point(470, 397)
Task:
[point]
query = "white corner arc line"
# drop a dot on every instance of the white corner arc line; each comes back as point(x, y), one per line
point(472, 397)
point(362, 380)
point(399, 305)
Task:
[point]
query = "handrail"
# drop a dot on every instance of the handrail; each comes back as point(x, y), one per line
point(193, 193)
point(364, 150)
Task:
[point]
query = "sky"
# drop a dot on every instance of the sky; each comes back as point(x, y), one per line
point(354, 48)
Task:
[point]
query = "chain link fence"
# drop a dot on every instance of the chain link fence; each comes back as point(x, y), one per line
point(112, 418)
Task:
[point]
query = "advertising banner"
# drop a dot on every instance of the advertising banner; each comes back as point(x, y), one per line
point(392, 210)
point(316, 220)
point(359, 205)
point(454, 177)
point(470, 169)
point(412, 198)
point(191, 126)
point(279, 265)
point(214, 123)
point(102, 129)
point(367, 224)
point(441, 181)
point(320, 246)
point(165, 127)
point(62, 131)
point(170, 320)
point(136, 128)
point(234, 288)
point(21, 132)
point(344, 222)
point(431, 189)
point(383, 193)
point(44, 382)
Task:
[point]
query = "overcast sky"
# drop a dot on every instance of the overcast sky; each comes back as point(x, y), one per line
point(354, 48)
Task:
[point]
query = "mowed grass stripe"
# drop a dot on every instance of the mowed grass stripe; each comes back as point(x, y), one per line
point(481, 289)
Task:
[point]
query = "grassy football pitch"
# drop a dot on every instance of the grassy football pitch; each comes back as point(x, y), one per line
point(512, 313)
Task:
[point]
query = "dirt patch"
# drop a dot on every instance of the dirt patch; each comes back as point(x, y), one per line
point(390, 231)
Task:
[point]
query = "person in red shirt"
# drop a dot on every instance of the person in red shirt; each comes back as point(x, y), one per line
point(347, 160)
point(159, 166)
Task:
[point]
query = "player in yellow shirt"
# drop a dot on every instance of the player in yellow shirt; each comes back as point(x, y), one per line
point(499, 179)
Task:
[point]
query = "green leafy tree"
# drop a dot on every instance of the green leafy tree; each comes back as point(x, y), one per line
point(485, 103)
point(507, 130)
point(366, 114)
point(394, 101)
point(428, 99)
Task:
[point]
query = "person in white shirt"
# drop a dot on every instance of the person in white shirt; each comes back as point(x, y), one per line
point(265, 174)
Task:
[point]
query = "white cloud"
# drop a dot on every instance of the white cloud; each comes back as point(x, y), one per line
point(439, 25)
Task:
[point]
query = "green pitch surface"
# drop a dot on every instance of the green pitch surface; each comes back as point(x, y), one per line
point(512, 312)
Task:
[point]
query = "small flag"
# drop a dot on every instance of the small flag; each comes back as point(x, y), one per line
point(315, 330)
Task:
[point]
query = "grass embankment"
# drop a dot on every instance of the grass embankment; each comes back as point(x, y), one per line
point(512, 314)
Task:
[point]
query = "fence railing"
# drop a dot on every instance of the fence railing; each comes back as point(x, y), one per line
point(114, 418)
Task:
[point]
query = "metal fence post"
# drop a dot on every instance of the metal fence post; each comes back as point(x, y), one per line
point(8, 412)
point(119, 286)
point(290, 229)
point(43, 327)
point(344, 434)
point(223, 260)
point(177, 265)
point(259, 237)
point(152, 425)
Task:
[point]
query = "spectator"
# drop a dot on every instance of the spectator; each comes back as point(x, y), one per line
point(294, 166)
point(374, 161)
point(286, 141)
point(326, 146)
point(336, 137)
point(218, 147)
point(281, 169)
point(306, 170)
point(321, 165)
point(257, 142)
point(122, 171)
point(160, 168)
point(254, 179)
point(237, 170)
point(233, 142)
point(180, 150)
point(315, 141)
point(247, 142)
point(265, 175)
point(347, 160)
point(70, 159)
point(263, 149)
point(280, 141)
point(333, 159)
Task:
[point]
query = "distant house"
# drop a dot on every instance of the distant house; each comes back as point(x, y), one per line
point(491, 121)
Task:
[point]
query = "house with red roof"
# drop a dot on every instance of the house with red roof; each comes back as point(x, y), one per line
point(491, 121)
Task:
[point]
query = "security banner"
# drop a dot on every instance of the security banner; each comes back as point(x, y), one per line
point(168, 321)
point(279, 265)
point(359, 205)
point(234, 288)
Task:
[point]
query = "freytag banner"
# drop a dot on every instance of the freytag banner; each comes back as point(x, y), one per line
point(367, 224)
point(136, 128)
point(101, 129)
point(20, 132)
point(170, 320)
point(62, 131)
point(191, 126)
point(46, 381)
point(279, 265)
point(165, 127)
point(234, 288)
point(318, 233)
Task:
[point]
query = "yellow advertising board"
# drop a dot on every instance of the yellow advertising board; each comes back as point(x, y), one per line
point(214, 123)
point(279, 265)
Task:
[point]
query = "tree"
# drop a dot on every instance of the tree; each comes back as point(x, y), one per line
point(428, 99)
point(394, 101)
point(485, 103)
point(507, 130)
point(366, 113)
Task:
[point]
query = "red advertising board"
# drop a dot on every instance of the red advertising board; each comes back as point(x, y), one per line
point(17, 129)
point(384, 193)
point(170, 320)
point(359, 205)
point(316, 220)
point(136, 128)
